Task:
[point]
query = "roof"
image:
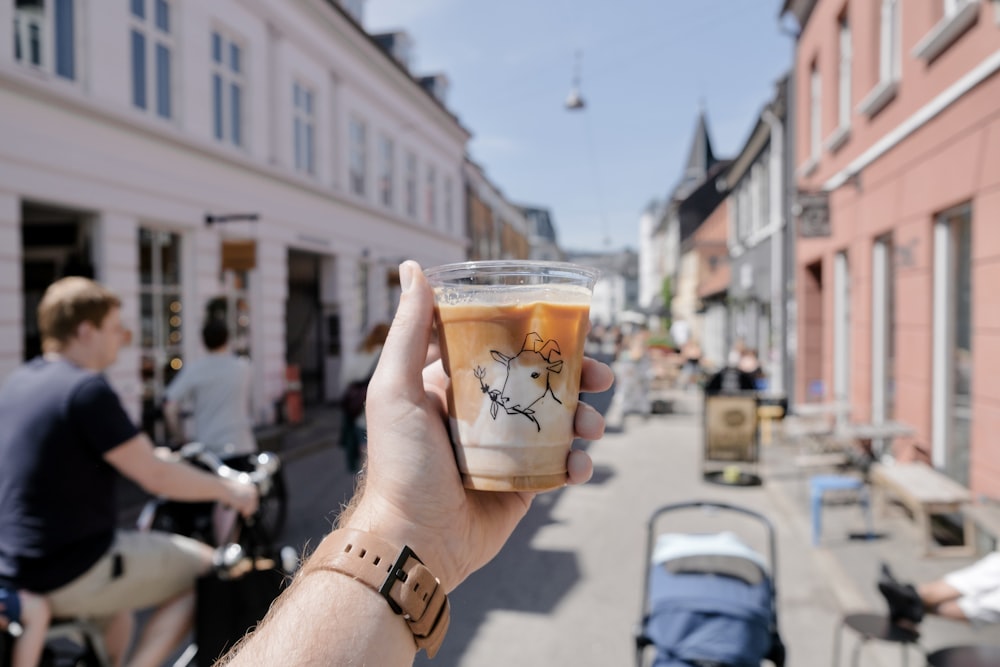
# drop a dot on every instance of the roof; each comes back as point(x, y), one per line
point(335, 5)
point(700, 159)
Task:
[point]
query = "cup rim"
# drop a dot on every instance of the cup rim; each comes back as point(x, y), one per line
point(527, 267)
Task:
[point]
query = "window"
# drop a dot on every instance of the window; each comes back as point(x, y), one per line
point(889, 61)
point(228, 83)
point(430, 198)
point(411, 185)
point(844, 75)
point(304, 115)
point(449, 219)
point(815, 112)
point(45, 36)
point(386, 170)
point(161, 317)
point(952, 7)
point(952, 356)
point(358, 164)
point(957, 17)
point(152, 45)
point(883, 359)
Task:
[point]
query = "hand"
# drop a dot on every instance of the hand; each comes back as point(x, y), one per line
point(413, 491)
point(242, 497)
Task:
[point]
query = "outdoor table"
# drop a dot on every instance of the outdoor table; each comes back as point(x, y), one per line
point(867, 434)
point(833, 408)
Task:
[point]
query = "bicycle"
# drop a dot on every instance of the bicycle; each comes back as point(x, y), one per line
point(76, 642)
point(195, 520)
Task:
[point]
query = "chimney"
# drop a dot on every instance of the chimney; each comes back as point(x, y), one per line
point(437, 85)
point(397, 44)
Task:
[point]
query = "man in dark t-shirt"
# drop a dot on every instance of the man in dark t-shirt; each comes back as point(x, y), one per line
point(64, 438)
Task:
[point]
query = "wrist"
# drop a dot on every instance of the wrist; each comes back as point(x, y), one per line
point(394, 572)
point(373, 518)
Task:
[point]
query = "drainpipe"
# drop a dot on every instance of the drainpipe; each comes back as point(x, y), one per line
point(776, 223)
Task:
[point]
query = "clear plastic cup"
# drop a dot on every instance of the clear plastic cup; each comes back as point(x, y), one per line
point(512, 334)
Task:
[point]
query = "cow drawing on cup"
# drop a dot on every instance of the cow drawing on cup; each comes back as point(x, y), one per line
point(526, 379)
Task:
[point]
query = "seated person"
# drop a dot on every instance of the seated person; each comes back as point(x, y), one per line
point(731, 379)
point(970, 594)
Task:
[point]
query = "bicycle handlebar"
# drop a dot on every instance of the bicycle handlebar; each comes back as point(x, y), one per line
point(265, 464)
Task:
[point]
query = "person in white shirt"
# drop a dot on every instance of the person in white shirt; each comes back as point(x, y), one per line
point(217, 386)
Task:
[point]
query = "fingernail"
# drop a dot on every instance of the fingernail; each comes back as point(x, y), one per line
point(405, 276)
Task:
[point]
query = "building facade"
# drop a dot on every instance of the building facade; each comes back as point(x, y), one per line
point(267, 161)
point(898, 164)
point(496, 228)
point(759, 291)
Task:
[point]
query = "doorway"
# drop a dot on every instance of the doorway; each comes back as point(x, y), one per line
point(55, 243)
point(304, 322)
point(813, 330)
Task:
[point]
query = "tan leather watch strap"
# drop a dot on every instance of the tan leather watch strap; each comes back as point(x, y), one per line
point(396, 573)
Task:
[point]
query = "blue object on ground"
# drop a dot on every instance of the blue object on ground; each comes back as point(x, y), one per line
point(819, 485)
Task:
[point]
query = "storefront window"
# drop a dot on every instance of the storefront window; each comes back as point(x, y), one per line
point(161, 320)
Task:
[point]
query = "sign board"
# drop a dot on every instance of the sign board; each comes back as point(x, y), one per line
point(812, 209)
point(239, 255)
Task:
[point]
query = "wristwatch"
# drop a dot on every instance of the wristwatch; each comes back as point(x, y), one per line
point(395, 573)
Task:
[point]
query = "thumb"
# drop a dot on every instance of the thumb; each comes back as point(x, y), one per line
point(406, 345)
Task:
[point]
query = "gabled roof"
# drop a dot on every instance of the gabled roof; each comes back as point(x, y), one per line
point(699, 161)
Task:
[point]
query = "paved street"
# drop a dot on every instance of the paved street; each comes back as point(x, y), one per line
point(567, 588)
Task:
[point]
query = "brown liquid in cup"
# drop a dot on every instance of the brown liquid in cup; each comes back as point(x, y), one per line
point(515, 384)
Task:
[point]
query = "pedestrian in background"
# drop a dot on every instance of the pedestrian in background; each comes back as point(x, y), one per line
point(359, 368)
point(217, 387)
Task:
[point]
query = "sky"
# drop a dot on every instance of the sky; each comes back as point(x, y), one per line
point(645, 69)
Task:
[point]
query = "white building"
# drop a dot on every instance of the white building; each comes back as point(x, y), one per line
point(126, 126)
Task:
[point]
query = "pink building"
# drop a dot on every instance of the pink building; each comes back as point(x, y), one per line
point(898, 289)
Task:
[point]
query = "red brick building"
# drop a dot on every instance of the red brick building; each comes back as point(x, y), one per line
point(898, 139)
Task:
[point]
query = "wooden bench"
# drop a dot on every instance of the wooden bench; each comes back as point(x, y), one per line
point(927, 492)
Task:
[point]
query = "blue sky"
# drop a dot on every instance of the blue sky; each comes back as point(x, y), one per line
point(645, 67)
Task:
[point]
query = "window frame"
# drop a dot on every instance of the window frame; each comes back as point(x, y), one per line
point(387, 170)
point(411, 168)
point(48, 64)
point(430, 195)
point(890, 60)
point(161, 349)
point(956, 18)
point(304, 117)
point(229, 78)
point(357, 156)
point(154, 36)
point(845, 66)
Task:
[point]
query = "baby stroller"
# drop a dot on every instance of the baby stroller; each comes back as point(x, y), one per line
point(709, 599)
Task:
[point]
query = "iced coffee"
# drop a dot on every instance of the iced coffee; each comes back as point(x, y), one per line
point(513, 349)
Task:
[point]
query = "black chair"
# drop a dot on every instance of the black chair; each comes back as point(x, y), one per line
point(965, 656)
point(874, 626)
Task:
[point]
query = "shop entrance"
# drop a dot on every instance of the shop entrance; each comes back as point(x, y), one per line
point(55, 243)
point(304, 323)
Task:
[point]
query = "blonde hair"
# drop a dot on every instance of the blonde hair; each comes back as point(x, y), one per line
point(68, 303)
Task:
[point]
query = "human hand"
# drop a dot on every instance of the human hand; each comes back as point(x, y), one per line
point(413, 491)
point(242, 497)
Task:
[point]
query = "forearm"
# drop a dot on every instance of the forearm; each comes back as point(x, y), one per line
point(349, 624)
point(180, 481)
